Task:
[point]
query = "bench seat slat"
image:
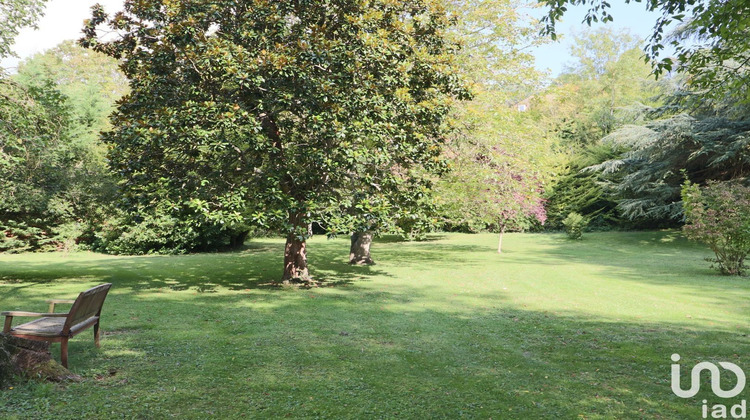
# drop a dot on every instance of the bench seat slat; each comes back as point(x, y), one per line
point(43, 327)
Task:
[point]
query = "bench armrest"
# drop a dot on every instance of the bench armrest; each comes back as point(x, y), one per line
point(10, 314)
point(52, 303)
point(36, 314)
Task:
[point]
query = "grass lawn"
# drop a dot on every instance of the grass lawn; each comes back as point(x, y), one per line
point(445, 328)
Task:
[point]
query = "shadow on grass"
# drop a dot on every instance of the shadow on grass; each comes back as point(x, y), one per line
point(256, 266)
point(407, 350)
point(393, 239)
point(384, 361)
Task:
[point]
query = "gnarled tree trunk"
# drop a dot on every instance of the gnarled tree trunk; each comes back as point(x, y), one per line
point(295, 255)
point(359, 252)
point(29, 358)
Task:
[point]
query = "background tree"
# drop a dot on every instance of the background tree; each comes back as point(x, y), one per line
point(499, 194)
point(605, 88)
point(659, 155)
point(262, 112)
point(499, 156)
point(578, 190)
point(586, 102)
point(55, 181)
point(52, 180)
point(711, 44)
point(91, 81)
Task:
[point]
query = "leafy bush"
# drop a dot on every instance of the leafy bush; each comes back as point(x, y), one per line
point(167, 233)
point(574, 225)
point(54, 180)
point(719, 215)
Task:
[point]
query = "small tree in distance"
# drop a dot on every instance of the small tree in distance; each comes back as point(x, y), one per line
point(493, 190)
point(514, 201)
point(574, 225)
point(719, 216)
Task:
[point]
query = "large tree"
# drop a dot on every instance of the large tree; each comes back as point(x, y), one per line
point(263, 112)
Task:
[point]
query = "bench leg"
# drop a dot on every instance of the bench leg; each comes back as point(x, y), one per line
point(96, 334)
point(64, 352)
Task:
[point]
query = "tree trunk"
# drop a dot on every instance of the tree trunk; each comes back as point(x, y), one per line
point(500, 242)
point(295, 255)
point(32, 359)
point(359, 252)
point(237, 240)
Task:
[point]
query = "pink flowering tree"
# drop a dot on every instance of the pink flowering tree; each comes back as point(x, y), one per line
point(493, 188)
point(514, 200)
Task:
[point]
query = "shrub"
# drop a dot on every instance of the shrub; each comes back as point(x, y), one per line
point(719, 215)
point(574, 225)
point(167, 233)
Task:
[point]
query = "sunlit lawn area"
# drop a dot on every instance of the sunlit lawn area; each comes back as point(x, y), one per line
point(445, 328)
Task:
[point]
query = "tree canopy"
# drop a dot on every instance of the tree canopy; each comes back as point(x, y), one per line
point(710, 41)
point(17, 14)
point(263, 112)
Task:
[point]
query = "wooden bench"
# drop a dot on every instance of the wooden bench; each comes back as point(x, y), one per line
point(59, 328)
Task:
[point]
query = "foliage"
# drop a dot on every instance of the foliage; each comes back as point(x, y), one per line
point(606, 87)
point(649, 141)
point(489, 188)
point(184, 336)
point(406, 207)
point(495, 37)
point(650, 170)
point(580, 191)
point(499, 156)
point(89, 80)
point(574, 225)
point(45, 174)
point(718, 215)
point(596, 93)
point(711, 44)
point(264, 113)
point(166, 233)
point(55, 185)
point(17, 14)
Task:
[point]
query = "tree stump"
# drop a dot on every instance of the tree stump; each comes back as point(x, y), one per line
point(359, 252)
point(21, 357)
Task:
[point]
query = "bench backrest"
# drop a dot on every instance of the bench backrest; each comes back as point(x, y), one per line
point(87, 305)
